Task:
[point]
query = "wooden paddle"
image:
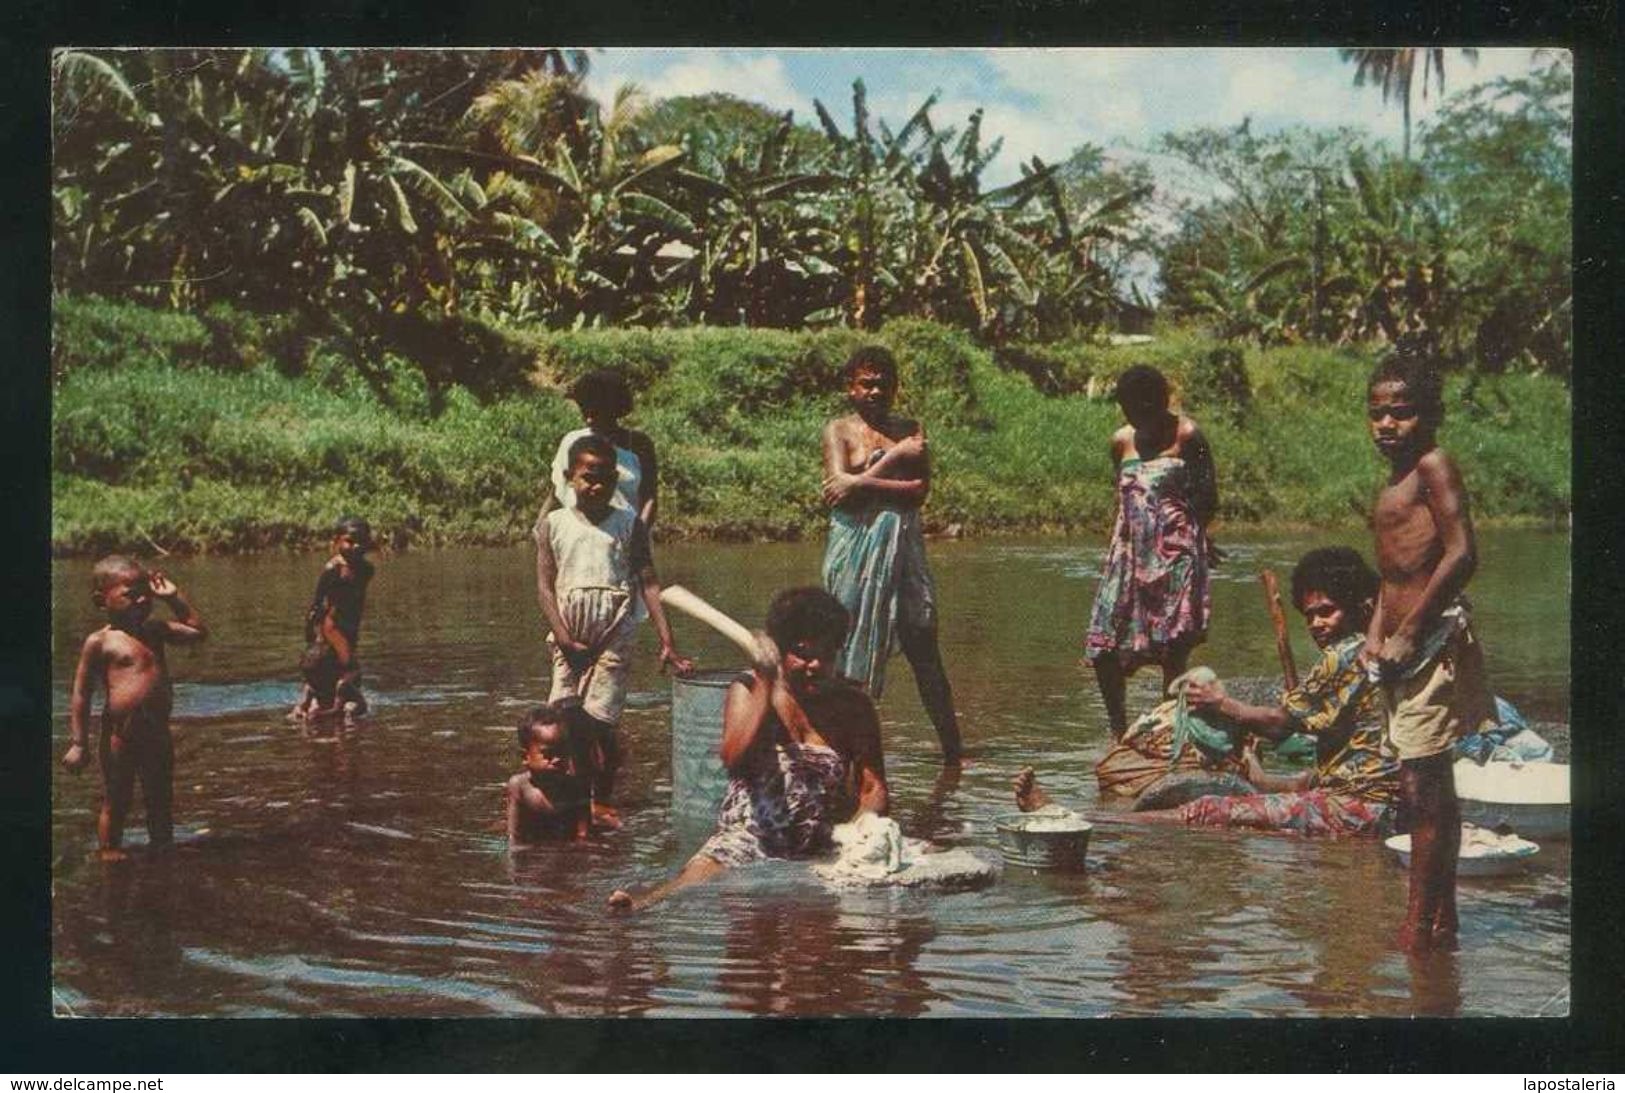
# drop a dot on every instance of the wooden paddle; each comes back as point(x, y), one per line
point(689, 604)
point(1283, 647)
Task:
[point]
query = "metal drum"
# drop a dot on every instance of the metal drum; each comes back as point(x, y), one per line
point(698, 779)
point(1040, 841)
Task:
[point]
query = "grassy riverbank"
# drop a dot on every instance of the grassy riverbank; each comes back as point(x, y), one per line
point(233, 432)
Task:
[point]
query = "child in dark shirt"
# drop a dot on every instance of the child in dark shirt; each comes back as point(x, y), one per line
point(331, 672)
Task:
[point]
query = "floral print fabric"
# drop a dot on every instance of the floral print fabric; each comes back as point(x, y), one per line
point(1154, 587)
point(1341, 708)
point(783, 804)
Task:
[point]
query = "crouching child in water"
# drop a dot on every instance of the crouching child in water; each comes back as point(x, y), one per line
point(329, 667)
point(801, 746)
point(1356, 780)
point(550, 800)
point(593, 569)
point(1420, 646)
point(127, 657)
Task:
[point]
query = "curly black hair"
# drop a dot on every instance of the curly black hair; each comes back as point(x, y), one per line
point(1418, 370)
point(548, 713)
point(604, 389)
point(877, 357)
point(354, 526)
point(1142, 386)
point(800, 614)
point(592, 442)
point(1340, 573)
point(111, 569)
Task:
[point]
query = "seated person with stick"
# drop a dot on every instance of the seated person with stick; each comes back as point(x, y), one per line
point(1356, 781)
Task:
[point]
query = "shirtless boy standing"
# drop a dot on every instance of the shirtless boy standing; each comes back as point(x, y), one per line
point(1420, 647)
point(127, 657)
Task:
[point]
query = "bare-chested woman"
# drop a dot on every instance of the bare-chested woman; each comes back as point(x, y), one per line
point(877, 474)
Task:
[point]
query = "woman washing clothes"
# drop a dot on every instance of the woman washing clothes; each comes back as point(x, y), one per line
point(801, 746)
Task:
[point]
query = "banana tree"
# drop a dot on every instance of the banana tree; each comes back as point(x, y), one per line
point(272, 177)
point(762, 228)
point(1395, 269)
point(873, 207)
point(588, 199)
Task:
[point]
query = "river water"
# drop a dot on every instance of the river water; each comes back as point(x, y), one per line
point(364, 872)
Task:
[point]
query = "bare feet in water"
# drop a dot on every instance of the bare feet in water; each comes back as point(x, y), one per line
point(1255, 769)
point(621, 900)
point(1030, 796)
point(606, 818)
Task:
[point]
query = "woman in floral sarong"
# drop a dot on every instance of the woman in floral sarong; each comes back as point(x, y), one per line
point(801, 745)
point(877, 474)
point(1153, 601)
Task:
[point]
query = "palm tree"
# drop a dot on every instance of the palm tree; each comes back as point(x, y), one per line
point(1394, 71)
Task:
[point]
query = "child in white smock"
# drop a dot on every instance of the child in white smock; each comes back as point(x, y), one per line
point(593, 565)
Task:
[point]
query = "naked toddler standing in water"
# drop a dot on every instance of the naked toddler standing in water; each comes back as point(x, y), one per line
point(127, 657)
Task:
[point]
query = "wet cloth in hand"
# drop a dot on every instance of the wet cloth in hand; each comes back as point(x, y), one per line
point(1170, 738)
point(1205, 732)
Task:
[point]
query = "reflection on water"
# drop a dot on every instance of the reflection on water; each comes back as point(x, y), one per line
point(363, 871)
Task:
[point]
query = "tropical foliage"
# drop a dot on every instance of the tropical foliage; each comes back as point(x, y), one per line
point(1320, 236)
point(361, 185)
point(230, 451)
point(404, 201)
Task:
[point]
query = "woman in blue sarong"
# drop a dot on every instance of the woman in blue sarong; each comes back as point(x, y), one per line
point(877, 474)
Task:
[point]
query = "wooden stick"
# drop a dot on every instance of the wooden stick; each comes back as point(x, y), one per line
point(1283, 647)
point(150, 539)
point(689, 604)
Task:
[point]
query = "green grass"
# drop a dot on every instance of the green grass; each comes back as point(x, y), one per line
point(232, 432)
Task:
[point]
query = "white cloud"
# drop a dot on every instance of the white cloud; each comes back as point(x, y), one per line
point(1056, 75)
point(1290, 87)
point(663, 73)
point(1048, 101)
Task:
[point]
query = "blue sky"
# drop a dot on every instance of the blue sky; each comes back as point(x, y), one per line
point(1048, 101)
